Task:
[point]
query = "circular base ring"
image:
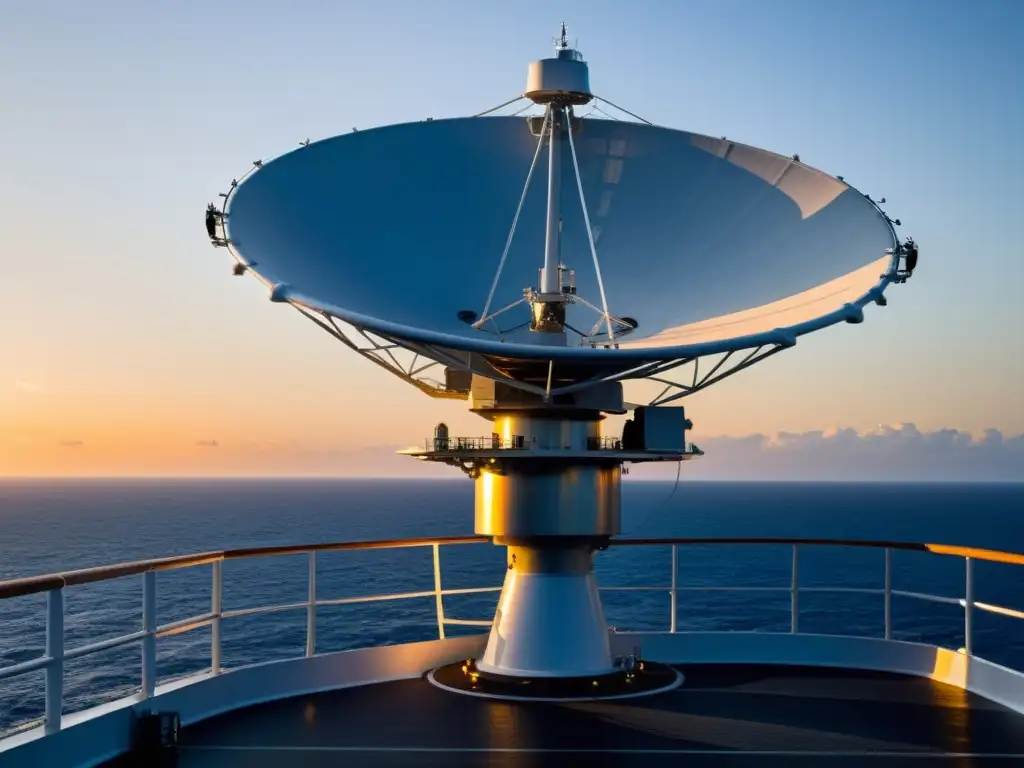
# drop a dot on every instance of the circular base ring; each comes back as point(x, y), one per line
point(647, 679)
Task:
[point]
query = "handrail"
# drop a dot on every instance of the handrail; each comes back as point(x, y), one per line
point(44, 583)
point(976, 553)
point(35, 584)
point(56, 653)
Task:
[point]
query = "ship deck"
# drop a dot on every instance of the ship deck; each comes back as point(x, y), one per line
point(725, 716)
point(765, 697)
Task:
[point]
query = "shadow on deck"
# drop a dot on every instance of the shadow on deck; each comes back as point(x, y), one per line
point(723, 716)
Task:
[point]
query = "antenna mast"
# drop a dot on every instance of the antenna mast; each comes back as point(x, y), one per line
point(558, 84)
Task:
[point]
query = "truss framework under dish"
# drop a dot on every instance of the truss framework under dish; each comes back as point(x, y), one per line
point(414, 362)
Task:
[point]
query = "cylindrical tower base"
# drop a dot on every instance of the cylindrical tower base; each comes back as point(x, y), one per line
point(549, 621)
point(549, 501)
point(553, 510)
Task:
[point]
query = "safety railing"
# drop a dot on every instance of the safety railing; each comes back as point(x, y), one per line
point(604, 444)
point(489, 443)
point(519, 442)
point(54, 585)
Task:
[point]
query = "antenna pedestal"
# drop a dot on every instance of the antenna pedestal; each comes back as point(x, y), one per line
point(552, 510)
point(548, 487)
point(549, 622)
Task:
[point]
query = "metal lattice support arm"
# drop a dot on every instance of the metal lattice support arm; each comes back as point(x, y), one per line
point(484, 317)
point(590, 231)
point(383, 355)
point(425, 357)
point(713, 376)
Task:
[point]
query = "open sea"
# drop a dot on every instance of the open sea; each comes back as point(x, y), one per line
point(48, 526)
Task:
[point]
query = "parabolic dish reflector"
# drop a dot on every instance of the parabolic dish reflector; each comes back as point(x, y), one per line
point(705, 242)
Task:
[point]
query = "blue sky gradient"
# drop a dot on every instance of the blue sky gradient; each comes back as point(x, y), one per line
point(121, 329)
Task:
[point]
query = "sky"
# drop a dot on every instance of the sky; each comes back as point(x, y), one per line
point(126, 347)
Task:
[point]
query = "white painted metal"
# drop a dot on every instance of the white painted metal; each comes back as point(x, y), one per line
point(311, 607)
point(674, 594)
point(552, 77)
point(216, 606)
point(469, 622)
point(484, 316)
point(438, 591)
point(548, 625)
point(558, 83)
point(149, 638)
point(968, 604)
point(794, 592)
point(264, 609)
point(552, 234)
point(590, 234)
point(106, 645)
point(887, 591)
point(40, 662)
point(929, 598)
point(55, 660)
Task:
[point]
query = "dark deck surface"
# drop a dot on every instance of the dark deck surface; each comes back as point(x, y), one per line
point(723, 716)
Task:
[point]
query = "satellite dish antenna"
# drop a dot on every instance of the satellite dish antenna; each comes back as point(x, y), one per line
point(535, 264)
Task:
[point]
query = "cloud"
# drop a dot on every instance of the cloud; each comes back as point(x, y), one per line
point(72, 444)
point(899, 452)
point(888, 452)
point(29, 387)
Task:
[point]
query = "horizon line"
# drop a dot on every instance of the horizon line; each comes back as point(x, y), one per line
point(363, 478)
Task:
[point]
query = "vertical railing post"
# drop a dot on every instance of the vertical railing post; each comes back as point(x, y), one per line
point(438, 594)
point(887, 591)
point(55, 666)
point(794, 593)
point(216, 608)
point(969, 605)
point(675, 588)
point(149, 640)
point(311, 606)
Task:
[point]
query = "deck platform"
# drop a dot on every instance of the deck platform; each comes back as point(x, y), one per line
point(725, 716)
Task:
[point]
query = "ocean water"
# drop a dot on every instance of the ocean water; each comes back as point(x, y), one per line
point(54, 526)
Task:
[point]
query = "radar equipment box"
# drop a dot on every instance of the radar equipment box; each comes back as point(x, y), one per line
point(661, 428)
